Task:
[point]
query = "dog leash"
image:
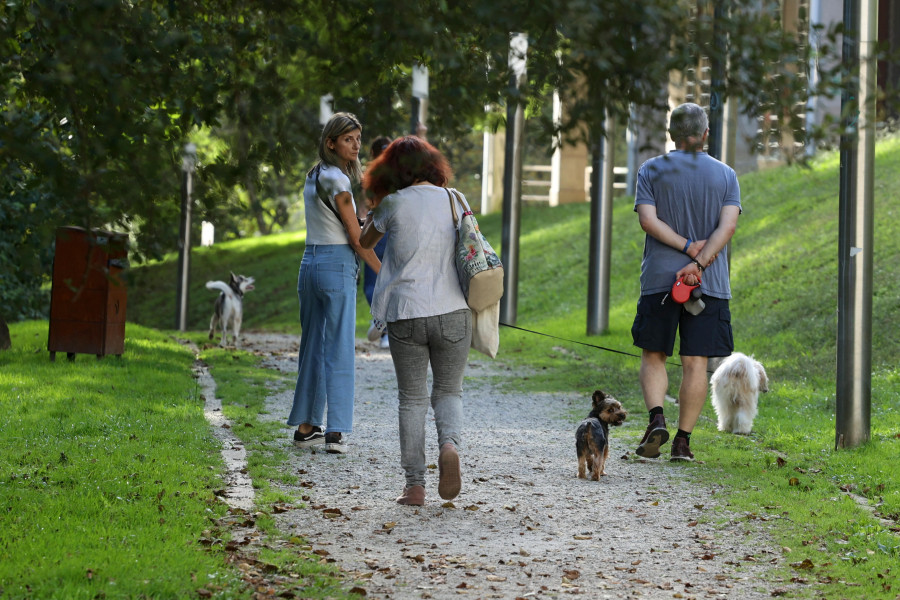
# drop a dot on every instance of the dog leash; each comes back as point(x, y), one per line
point(677, 364)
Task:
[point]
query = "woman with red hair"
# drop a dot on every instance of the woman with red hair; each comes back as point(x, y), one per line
point(419, 297)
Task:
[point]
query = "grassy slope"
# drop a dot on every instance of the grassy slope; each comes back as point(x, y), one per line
point(784, 312)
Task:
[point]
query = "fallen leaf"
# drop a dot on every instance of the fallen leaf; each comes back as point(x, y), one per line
point(805, 565)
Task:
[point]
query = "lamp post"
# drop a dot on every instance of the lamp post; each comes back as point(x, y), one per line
point(326, 108)
point(512, 180)
point(419, 99)
point(188, 164)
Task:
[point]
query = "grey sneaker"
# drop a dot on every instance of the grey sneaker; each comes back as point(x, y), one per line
point(655, 436)
point(681, 450)
point(335, 443)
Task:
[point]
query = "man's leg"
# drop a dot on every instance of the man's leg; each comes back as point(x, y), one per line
point(654, 379)
point(654, 384)
point(692, 395)
point(691, 398)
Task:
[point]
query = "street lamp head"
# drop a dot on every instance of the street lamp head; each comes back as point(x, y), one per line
point(189, 158)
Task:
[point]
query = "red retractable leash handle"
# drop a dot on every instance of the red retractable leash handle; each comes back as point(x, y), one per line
point(681, 292)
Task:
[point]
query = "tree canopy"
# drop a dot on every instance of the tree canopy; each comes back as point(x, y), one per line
point(98, 98)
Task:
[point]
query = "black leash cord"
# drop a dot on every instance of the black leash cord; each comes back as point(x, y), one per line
point(577, 342)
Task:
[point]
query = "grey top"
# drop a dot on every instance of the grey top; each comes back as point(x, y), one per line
point(322, 225)
point(689, 190)
point(418, 276)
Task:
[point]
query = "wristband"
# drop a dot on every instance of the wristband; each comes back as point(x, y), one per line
point(697, 262)
point(687, 245)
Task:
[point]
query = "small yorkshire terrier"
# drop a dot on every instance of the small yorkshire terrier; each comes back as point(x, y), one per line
point(736, 385)
point(592, 435)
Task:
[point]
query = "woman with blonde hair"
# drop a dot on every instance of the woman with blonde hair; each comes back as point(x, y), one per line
point(327, 290)
point(418, 295)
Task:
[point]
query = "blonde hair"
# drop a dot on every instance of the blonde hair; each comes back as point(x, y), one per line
point(339, 124)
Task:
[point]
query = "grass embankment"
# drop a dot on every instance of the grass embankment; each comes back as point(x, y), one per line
point(109, 473)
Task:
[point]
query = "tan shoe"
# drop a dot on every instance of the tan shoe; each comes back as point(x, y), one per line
point(655, 436)
point(448, 464)
point(412, 496)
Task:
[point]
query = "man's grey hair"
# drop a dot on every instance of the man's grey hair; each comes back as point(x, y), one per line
point(688, 120)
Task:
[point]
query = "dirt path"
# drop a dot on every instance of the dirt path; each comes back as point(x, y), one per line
point(523, 526)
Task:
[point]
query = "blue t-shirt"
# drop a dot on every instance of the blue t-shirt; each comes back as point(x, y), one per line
point(689, 190)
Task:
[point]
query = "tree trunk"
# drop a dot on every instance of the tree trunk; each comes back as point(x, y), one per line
point(5, 343)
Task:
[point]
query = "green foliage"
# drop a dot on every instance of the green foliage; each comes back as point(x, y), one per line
point(98, 98)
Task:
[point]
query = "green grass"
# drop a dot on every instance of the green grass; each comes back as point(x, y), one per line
point(106, 473)
point(109, 473)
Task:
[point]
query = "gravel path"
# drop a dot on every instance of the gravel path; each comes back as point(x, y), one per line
point(524, 526)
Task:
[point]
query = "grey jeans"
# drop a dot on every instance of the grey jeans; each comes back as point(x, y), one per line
point(443, 342)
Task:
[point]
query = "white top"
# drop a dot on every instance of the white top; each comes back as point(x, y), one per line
point(418, 275)
point(322, 226)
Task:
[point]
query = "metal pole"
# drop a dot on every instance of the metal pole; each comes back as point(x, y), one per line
point(854, 343)
point(419, 96)
point(188, 163)
point(717, 75)
point(512, 185)
point(602, 180)
point(414, 116)
point(633, 146)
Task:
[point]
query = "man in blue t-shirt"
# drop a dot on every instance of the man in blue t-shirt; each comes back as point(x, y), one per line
point(688, 204)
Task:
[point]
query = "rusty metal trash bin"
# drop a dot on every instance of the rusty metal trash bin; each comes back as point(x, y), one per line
point(89, 295)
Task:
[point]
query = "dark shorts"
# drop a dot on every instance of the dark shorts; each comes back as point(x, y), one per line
point(659, 317)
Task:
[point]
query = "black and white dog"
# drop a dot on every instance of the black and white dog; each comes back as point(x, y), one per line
point(229, 306)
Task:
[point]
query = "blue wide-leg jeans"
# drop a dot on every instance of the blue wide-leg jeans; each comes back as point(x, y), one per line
point(325, 375)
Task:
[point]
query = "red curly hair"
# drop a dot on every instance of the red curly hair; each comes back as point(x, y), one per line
point(405, 161)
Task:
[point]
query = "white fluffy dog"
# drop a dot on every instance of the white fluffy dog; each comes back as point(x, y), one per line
point(229, 308)
point(736, 385)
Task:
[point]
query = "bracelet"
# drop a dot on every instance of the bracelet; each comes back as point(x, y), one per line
point(687, 245)
point(697, 262)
